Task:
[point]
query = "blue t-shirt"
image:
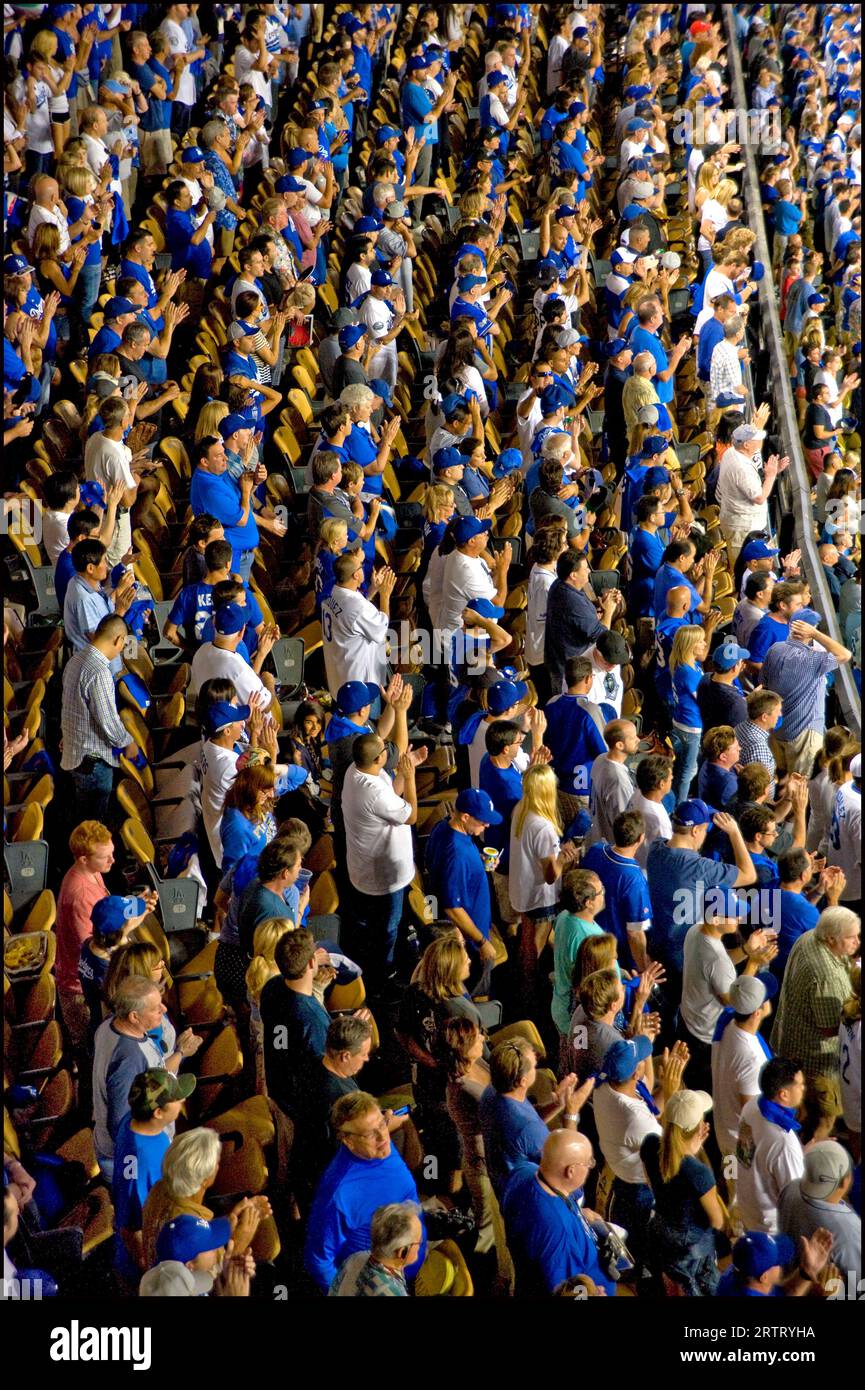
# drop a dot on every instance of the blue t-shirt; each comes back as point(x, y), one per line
point(767, 632)
point(667, 578)
point(644, 341)
point(574, 740)
point(711, 334)
point(137, 1168)
point(685, 708)
point(677, 879)
point(513, 1133)
point(179, 231)
point(457, 876)
point(64, 571)
point(798, 915)
point(416, 105)
point(239, 836)
point(646, 559)
point(626, 895)
point(191, 609)
point(220, 497)
point(158, 113)
point(787, 217)
point(106, 340)
point(548, 1236)
point(716, 785)
point(505, 788)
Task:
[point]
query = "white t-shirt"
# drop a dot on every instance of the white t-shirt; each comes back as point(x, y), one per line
point(526, 427)
point(97, 153)
point(379, 845)
point(357, 281)
point(218, 768)
point(107, 461)
point(540, 582)
point(313, 196)
point(465, 578)
point(177, 43)
point(608, 688)
point(354, 639)
point(717, 217)
point(432, 585)
point(245, 71)
point(623, 1123)
point(526, 886)
point(377, 317)
point(658, 825)
point(39, 215)
point(737, 1061)
point(850, 1058)
point(845, 839)
point(768, 1158)
point(708, 972)
point(739, 485)
point(716, 284)
point(38, 123)
point(55, 534)
point(210, 661)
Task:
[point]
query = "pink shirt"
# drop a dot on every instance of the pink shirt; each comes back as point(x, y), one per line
point(80, 891)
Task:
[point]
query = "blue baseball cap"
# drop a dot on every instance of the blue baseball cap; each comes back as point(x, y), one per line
point(351, 334)
point(233, 423)
point(443, 459)
point(355, 695)
point(486, 609)
point(495, 79)
point(297, 156)
point(110, 915)
point(815, 299)
point(387, 132)
point(382, 390)
point(478, 804)
point(638, 124)
point(508, 461)
point(636, 91)
point(451, 403)
point(551, 399)
point(616, 346)
point(367, 224)
point(117, 306)
point(92, 494)
point(566, 211)
point(417, 63)
point(381, 279)
point(468, 282)
point(193, 154)
point(467, 527)
point(725, 657)
point(726, 400)
point(656, 477)
point(505, 694)
point(756, 1252)
point(577, 108)
point(664, 420)
point(229, 619)
point(623, 1058)
point(694, 812)
point(320, 105)
point(653, 445)
point(288, 184)
point(17, 265)
point(759, 550)
point(639, 166)
point(222, 713)
point(808, 615)
point(186, 1237)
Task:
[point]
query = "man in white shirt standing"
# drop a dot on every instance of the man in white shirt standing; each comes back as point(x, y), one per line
point(108, 462)
point(845, 837)
point(353, 630)
point(468, 575)
point(221, 657)
point(217, 765)
point(612, 781)
point(181, 56)
point(743, 496)
point(607, 656)
point(769, 1153)
point(654, 778)
point(738, 1056)
point(383, 314)
point(379, 853)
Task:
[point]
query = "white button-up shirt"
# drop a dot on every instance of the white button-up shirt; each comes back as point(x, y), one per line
point(379, 848)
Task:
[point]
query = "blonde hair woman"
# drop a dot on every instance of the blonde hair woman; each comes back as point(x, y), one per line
point(707, 181)
point(262, 968)
point(714, 217)
point(209, 418)
point(690, 648)
point(537, 862)
point(688, 1210)
point(58, 78)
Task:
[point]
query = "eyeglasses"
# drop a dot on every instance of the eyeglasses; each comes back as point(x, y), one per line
point(380, 1128)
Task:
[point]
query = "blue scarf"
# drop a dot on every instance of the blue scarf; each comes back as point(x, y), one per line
point(727, 1016)
point(645, 1093)
point(780, 1115)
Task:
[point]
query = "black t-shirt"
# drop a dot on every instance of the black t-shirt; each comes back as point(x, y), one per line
point(316, 1092)
point(678, 1201)
point(720, 704)
point(295, 1031)
point(422, 1020)
point(815, 415)
point(348, 372)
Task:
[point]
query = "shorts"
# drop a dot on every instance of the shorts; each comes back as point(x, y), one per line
point(60, 117)
point(157, 151)
point(540, 914)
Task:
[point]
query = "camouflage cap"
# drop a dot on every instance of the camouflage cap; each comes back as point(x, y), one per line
point(157, 1087)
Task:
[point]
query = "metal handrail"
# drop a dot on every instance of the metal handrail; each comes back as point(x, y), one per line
point(794, 485)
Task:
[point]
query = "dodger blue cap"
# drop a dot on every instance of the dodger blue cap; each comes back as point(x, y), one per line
point(297, 157)
point(664, 420)
point(232, 423)
point(808, 615)
point(637, 90)
point(623, 1058)
point(381, 279)
point(417, 63)
point(355, 695)
point(222, 713)
point(468, 282)
point(229, 619)
point(186, 1237)
point(478, 804)
point(551, 399)
point(452, 403)
point(656, 477)
point(815, 299)
point(110, 915)
point(566, 211)
point(193, 154)
point(725, 657)
point(495, 79)
point(17, 265)
point(577, 108)
point(288, 184)
point(351, 334)
point(508, 461)
point(382, 390)
point(468, 527)
point(117, 306)
point(366, 224)
point(694, 812)
point(638, 124)
point(759, 550)
point(387, 132)
point(505, 694)
point(616, 346)
point(654, 445)
point(443, 459)
point(755, 1252)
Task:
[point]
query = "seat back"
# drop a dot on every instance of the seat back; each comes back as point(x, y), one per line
point(178, 903)
point(27, 867)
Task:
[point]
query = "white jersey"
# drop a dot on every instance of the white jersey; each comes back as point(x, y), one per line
point(354, 639)
point(845, 838)
point(768, 1157)
point(465, 578)
point(218, 769)
point(177, 43)
point(210, 661)
point(737, 1060)
point(540, 583)
point(850, 1060)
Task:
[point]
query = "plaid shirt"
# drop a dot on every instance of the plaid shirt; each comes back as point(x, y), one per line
point(363, 1277)
point(725, 371)
point(754, 743)
point(816, 985)
point(91, 726)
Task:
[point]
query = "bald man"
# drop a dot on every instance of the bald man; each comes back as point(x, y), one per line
point(612, 783)
point(550, 1237)
point(678, 607)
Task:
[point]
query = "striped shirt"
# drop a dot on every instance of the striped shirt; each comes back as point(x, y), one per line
point(725, 371)
point(798, 674)
point(91, 726)
point(816, 986)
point(754, 743)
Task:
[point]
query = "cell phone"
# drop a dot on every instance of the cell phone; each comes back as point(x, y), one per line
point(403, 1110)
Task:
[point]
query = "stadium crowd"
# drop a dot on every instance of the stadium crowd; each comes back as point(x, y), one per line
point(432, 836)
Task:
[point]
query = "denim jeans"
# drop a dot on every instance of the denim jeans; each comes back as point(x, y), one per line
point(373, 936)
point(242, 563)
point(686, 747)
point(89, 280)
point(688, 1257)
point(92, 783)
point(631, 1205)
